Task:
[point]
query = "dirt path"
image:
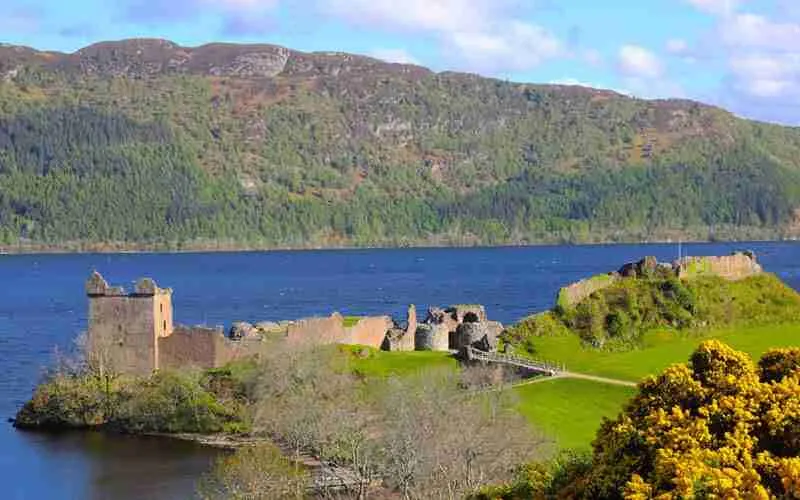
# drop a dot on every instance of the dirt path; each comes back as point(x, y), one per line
point(603, 380)
point(582, 376)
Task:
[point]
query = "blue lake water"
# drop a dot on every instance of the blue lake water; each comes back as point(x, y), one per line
point(42, 307)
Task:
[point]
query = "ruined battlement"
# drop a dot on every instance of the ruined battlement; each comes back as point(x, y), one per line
point(97, 286)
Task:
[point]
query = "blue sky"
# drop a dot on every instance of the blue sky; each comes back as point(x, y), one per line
point(743, 55)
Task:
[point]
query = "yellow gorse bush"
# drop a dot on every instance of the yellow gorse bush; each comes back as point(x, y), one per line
point(716, 427)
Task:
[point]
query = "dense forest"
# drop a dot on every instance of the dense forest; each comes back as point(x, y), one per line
point(145, 144)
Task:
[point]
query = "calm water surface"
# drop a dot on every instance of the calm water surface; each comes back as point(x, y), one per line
point(42, 307)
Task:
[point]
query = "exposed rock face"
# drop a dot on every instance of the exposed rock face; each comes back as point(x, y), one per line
point(143, 57)
point(265, 63)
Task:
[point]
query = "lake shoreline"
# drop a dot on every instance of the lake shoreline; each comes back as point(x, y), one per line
point(207, 248)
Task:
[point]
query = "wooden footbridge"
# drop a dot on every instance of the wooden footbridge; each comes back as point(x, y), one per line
point(554, 370)
point(542, 367)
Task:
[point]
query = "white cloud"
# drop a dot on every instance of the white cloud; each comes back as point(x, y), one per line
point(762, 56)
point(757, 32)
point(574, 82)
point(239, 5)
point(677, 46)
point(717, 7)
point(518, 46)
point(477, 35)
point(423, 15)
point(767, 76)
point(653, 88)
point(394, 56)
point(638, 62)
point(593, 57)
point(643, 74)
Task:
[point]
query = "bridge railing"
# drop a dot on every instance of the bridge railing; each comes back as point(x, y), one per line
point(533, 364)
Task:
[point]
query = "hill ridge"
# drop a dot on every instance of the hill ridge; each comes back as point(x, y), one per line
point(262, 146)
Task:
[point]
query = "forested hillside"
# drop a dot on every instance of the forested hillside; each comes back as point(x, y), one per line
point(143, 143)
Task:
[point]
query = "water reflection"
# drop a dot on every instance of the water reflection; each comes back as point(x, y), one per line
point(95, 465)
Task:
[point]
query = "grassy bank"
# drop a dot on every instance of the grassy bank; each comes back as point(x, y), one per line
point(368, 362)
point(569, 410)
point(661, 348)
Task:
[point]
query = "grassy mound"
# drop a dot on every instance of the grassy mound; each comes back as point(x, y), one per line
point(618, 317)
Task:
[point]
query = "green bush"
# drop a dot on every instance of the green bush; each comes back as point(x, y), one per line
point(202, 402)
point(65, 401)
point(171, 402)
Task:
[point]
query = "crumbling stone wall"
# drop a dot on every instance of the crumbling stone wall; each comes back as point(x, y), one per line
point(480, 335)
point(460, 311)
point(575, 293)
point(320, 330)
point(369, 331)
point(737, 266)
point(227, 350)
point(203, 347)
point(189, 347)
point(398, 339)
point(431, 338)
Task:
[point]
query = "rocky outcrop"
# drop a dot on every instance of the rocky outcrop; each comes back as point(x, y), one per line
point(145, 57)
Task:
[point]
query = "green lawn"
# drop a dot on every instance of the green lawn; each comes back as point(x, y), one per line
point(571, 410)
point(370, 362)
point(661, 348)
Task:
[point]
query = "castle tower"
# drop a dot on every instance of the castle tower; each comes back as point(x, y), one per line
point(124, 328)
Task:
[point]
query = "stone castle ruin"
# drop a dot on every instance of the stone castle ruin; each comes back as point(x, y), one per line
point(449, 329)
point(135, 334)
point(738, 265)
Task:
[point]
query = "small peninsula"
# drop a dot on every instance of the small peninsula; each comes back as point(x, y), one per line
point(331, 399)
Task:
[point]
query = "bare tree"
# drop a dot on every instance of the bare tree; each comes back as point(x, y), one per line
point(312, 407)
point(442, 442)
point(423, 437)
point(98, 361)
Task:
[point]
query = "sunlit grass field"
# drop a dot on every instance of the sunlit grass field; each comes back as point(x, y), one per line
point(661, 349)
point(571, 410)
